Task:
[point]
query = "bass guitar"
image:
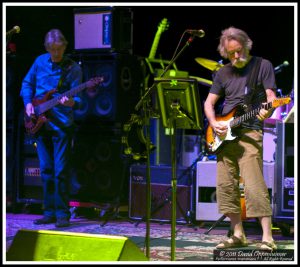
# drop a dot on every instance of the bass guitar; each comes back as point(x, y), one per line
point(41, 106)
point(215, 142)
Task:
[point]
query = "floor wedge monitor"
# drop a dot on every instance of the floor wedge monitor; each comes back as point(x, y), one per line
point(46, 245)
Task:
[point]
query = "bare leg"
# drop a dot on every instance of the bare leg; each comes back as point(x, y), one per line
point(237, 228)
point(236, 224)
point(267, 238)
point(266, 224)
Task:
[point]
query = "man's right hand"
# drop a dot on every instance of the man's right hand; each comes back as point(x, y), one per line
point(29, 109)
point(220, 127)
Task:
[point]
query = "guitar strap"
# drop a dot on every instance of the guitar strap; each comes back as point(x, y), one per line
point(66, 66)
point(251, 81)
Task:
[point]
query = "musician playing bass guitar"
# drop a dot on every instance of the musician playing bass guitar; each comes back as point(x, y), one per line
point(53, 72)
point(249, 81)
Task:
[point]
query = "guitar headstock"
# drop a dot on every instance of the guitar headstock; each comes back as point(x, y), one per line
point(163, 26)
point(280, 101)
point(94, 81)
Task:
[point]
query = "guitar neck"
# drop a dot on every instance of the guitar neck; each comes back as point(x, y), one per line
point(55, 101)
point(154, 45)
point(248, 115)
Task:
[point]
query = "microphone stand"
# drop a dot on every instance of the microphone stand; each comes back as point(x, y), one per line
point(144, 101)
point(146, 109)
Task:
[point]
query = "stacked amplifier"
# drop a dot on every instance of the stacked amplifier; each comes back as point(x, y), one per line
point(28, 183)
point(206, 203)
point(161, 193)
point(285, 151)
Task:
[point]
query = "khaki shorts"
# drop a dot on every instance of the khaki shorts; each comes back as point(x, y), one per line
point(242, 157)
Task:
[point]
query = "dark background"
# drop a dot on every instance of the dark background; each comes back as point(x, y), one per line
point(271, 29)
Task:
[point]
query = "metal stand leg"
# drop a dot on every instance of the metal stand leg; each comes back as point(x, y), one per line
point(174, 187)
point(113, 214)
point(215, 224)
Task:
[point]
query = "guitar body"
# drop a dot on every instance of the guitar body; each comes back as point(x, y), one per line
point(233, 119)
point(41, 106)
point(215, 142)
point(34, 123)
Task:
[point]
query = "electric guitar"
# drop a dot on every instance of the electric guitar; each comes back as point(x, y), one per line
point(163, 26)
point(41, 106)
point(215, 142)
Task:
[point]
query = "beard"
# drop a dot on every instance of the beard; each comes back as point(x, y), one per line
point(240, 62)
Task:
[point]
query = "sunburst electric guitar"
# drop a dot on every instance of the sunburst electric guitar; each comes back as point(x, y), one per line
point(41, 106)
point(214, 142)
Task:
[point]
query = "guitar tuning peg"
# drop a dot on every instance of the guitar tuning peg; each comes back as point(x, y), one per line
point(245, 107)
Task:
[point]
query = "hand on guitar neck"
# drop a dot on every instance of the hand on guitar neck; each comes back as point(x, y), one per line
point(67, 101)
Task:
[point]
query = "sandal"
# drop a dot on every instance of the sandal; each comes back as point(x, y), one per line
point(235, 243)
point(268, 245)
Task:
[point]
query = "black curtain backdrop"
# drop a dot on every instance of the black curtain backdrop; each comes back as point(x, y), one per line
point(270, 27)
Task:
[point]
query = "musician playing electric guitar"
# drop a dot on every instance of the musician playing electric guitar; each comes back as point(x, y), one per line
point(53, 72)
point(249, 81)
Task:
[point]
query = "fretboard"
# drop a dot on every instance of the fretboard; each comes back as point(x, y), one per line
point(248, 115)
point(55, 101)
point(154, 45)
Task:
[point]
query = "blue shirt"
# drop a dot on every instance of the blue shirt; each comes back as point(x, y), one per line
point(43, 76)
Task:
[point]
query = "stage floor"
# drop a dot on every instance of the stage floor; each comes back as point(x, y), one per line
point(192, 242)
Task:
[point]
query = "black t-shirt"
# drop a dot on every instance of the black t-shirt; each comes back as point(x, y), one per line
point(231, 83)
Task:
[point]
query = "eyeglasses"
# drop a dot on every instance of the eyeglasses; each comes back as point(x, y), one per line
point(232, 53)
point(56, 48)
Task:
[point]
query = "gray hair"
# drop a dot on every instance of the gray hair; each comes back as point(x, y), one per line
point(54, 36)
point(233, 33)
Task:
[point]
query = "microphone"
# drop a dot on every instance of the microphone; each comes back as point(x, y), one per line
point(279, 67)
point(198, 33)
point(15, 29)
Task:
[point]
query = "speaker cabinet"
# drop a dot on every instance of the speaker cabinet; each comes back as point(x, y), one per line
point(98, 165)
point(10, 157)
point(284, 208)
point(11, 86)
point(105, 29)
point(115, 98)
point(206, 202)
point(43, 245)
point(98, 168)
point(28, 184)
point(161, 193)
point(30, 187)
point(12, 106)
